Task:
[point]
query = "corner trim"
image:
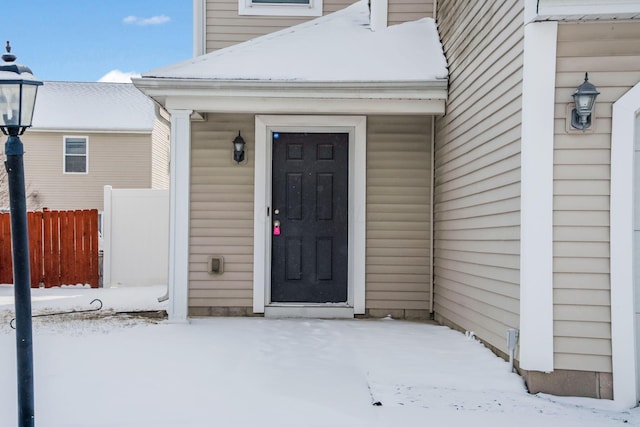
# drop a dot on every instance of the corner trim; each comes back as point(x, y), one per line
point(536, 209)
point(199, 27)
point(530, 11)
point(625, 111)
point(179, 219)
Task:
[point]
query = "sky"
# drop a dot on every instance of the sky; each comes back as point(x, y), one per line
point(86, 40)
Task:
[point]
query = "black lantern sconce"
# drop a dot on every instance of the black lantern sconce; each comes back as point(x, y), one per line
point(584, 98)
point(238, 148)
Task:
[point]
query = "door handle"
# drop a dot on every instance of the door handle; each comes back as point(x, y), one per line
point(276, 228)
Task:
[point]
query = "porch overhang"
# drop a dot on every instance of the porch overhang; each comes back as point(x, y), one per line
point(294, 97)
point(334, 64)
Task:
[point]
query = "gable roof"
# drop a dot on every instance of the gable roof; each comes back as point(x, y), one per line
point(339, 47)
point(333, 63)
point(92, 106)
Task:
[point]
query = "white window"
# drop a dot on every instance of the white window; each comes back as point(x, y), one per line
point(280, 7)
point(76, 154)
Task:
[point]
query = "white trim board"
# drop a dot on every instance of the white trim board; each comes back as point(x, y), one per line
point(540, 10)
point(356, 127)
point(625, 111)
point(199, 27)
point(286, 97)
point(179, 218)
point(536, 211)
point(107, 221)
point(588, 7)
point(310, 105)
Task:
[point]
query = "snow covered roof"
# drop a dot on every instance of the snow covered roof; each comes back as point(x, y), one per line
point(339, 47)
point(92, 106)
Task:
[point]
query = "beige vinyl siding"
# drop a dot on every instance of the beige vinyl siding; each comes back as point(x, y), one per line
point(119, 160)
point(400, 11)
point(160, 154)
point(398, 271)
point(477, 169)
point(398, 200)
point(225, 27)
point(610, 52)
point(221, 212)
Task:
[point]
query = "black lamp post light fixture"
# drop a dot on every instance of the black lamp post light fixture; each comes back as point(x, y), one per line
point(18, 89)
point(238, 148)
point(584, 99)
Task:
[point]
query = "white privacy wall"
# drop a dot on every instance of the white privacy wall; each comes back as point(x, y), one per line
point(136, 237)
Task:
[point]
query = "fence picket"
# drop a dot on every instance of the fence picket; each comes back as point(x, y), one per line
point(76, 218)
point(35, 247)
point(51, 249)
point(67, 236)
point(6, 267)
point(46, 244)
point(81, 242)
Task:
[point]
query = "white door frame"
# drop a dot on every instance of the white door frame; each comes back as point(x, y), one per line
point(623, 333)
point(356, 127)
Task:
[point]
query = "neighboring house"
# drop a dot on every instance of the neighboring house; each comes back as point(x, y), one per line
point(88, 135)
point(530, 224)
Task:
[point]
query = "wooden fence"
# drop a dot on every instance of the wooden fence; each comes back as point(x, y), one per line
point(63, 248)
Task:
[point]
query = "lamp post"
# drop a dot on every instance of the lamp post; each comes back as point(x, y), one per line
point(18, 89)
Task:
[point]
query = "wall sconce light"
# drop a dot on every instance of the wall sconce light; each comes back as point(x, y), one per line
point(238, 148)
point(584, 98)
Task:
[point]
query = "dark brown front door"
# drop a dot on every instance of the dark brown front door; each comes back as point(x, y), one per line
point(310, 191)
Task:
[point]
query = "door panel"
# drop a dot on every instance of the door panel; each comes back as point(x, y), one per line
point(310, 204)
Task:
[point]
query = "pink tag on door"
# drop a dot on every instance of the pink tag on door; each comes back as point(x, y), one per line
point(276, 230)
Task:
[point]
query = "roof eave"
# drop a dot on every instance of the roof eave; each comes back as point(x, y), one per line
point(272, 96)
point(569, 10)
point(90, 130)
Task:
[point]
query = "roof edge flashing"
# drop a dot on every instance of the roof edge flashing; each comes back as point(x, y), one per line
point(586, 10)
point(184, 83)
point(90, 130)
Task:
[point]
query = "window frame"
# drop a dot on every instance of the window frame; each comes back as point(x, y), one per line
point(248, 7)
point(65, 154)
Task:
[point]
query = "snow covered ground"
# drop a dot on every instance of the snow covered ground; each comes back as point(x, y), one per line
point(108, 369)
